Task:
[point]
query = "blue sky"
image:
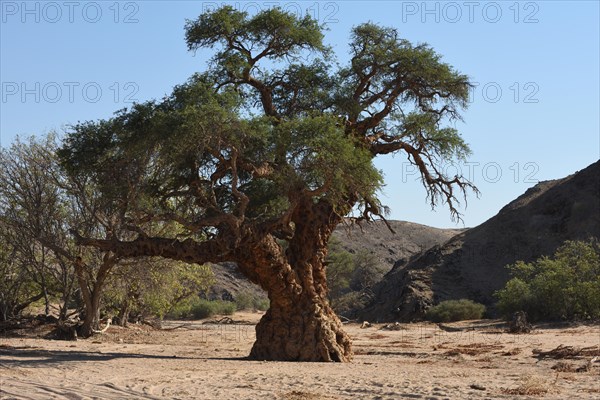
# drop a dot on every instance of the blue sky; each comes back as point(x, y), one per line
point(533, 116)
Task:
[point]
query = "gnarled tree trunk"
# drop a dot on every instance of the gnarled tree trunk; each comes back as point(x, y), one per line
point(301, 329)
point(300, 325)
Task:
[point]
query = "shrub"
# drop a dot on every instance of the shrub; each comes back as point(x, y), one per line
point(205, 308)
point(197, 308)
point(262, 304)
point(566, 286)
point(251, 301)
point(155, 287)
point(455, 310)
point(367, 271)
point(340, 269)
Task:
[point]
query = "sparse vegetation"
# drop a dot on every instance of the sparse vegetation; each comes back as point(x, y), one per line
point(455, 310)
point(531, 386)
point(563, 287)
point(349, 302)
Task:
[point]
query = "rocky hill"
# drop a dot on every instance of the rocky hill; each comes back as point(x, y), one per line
point(472, 264)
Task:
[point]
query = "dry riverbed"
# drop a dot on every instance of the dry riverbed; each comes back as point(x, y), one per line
point(192, 360)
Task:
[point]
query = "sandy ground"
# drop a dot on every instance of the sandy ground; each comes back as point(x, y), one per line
point(196, 361)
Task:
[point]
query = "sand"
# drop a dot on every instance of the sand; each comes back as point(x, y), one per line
point(191, 360)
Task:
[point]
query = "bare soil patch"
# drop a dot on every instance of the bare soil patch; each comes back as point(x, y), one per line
point(196, 360)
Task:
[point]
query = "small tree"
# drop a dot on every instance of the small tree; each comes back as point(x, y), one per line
point(153, 287)
point(32, 214)
point(340, 268)
point(349, 277)
point(39, 204)
point(367, 271)
point(565, 286)
point(18, 289)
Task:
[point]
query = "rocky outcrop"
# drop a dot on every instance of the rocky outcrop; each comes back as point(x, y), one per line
point(472, 264)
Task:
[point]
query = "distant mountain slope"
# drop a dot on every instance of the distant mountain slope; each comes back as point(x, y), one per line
point(388, 247)
point(229, 282)
point(471, 265)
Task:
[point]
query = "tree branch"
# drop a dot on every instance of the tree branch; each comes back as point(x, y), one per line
point(187, 251)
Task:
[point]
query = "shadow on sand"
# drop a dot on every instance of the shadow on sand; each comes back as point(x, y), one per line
point(28, 356)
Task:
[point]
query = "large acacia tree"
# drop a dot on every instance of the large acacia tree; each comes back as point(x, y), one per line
point(260, 157)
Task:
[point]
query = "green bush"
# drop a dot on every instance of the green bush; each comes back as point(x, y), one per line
point(455, 310)
point(564, 287)
point(251, 301)
point(262, 304)
point(340, 268)
point(155, 287)
point(206, 308)
point(197, 308)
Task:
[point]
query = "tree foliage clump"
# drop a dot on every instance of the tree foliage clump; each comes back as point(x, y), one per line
point(565, 286)
point(20, 286)
point(455, 310)
point(247, 300)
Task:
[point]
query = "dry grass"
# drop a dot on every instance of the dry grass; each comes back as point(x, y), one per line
point(376, 336)
point(393, 327)
point(563, 366)
point(512, 352)
point(402, 342)
point(532, 386)
point(591, 390)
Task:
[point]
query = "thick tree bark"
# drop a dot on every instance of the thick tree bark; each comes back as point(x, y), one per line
point(304, 329)
point(299, 325)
